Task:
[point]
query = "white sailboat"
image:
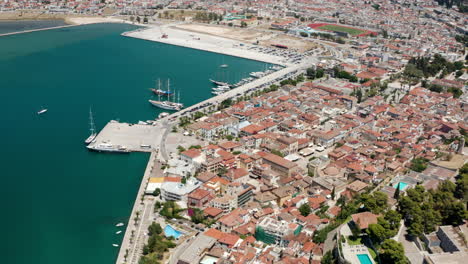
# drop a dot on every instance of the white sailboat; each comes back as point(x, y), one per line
point(168, 105)
point(42, 111)
point(92, 129)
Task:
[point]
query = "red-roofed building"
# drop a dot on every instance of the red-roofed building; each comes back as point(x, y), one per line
point(364, 219)
point(229, 240)
point(199, 198)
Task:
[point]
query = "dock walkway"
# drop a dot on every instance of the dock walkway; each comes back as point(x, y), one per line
point(134, 238)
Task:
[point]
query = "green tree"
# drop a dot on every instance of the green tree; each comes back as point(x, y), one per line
point(197, 216)
point(304, 209)
point(359, 96)
point(138, 19)
point(145, 20)
point(154, 229)
point(319, 73)
point(418, 164)
point(310, 72)
point(392, 252)
point(456, 214)
point(157, 192)
point(226, 103)
point(328, 258)
point(376, 202)
point(180, 149)
point(393, 218)
point(461, 189)
point(377, 233)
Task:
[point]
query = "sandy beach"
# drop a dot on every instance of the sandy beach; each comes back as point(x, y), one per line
point(92, 20)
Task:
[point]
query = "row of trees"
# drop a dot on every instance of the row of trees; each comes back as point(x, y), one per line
point(390, 251)
point(208, 17)
point(312, 73)
point(169, 210)
point(425, 67)
point(138, 19)
point(344, 75)
point(424, 210)
point(326, 36)
point(450, 3)
point(158, 244)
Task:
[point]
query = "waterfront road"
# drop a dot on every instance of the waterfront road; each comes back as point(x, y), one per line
point(242, 90)
point(134, 237)
point(166, 126)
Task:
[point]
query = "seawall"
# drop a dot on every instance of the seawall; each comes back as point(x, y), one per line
point(131, 256)
point(34, 30)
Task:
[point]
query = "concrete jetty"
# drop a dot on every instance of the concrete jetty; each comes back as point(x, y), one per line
point(34, 30)
point(135, 137)
point(200, 41)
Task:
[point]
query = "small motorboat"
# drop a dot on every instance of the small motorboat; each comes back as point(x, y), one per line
point(120, 224)
point(42, 111)
point(115, 245)
point(118, 232)
point(224, 66)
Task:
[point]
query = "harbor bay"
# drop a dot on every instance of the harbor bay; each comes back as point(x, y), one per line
point(63, 200)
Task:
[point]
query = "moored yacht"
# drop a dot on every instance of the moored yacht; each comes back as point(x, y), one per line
point(93, 135)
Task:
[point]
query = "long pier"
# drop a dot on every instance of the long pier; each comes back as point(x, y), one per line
point(34, 30)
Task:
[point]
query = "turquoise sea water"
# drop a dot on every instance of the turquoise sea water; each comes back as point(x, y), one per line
point(60, 203)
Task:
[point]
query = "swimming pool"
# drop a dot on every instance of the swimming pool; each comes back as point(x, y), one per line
point(364, 259)
point(402, 185)
point(169, 231)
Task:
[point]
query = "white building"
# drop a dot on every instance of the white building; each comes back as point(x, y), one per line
point(175, 191)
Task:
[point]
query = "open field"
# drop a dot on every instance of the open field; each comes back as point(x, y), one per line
point(351, 31)
point(177, 14)
point(356, 32)
point(264, 38)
